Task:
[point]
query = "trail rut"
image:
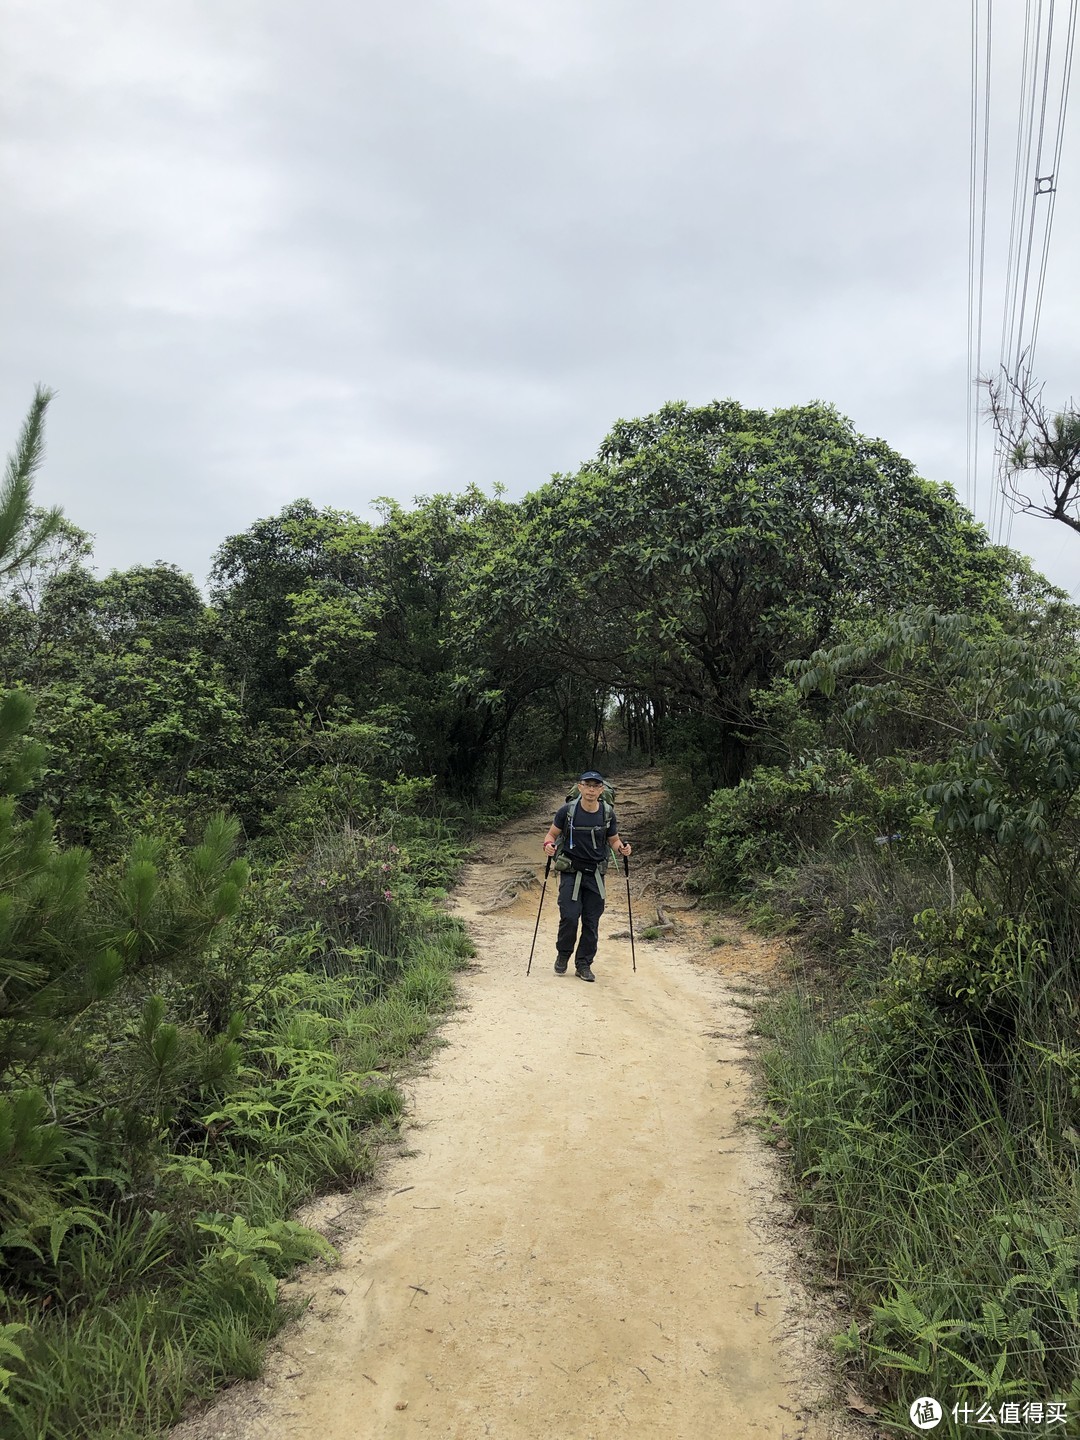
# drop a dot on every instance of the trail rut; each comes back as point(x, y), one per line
point(581, 1238)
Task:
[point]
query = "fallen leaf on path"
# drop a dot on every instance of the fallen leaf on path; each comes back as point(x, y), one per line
point(856, 1402)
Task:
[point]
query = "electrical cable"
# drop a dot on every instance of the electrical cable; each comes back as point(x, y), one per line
point(1021, 349)
point(1045, 183)
point(977, 199)
point(1014, 225)
point(1027, 264)
point(982, 237)
point(1015, 266)
point(1023, 353)
point(972, 411)
point(1017, 170)
point(1055, 165)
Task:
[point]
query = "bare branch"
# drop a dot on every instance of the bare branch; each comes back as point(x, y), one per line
point(1036, 441)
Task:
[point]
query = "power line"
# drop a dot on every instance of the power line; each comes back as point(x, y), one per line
point(1036, 178)
point(977, 222)
point(1055, 164)
point(1035, 191)
point(1023, 354)
point(1014, 266)
point(1044, 185)
point(972, 427)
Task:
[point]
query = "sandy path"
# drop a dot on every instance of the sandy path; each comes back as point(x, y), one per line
point(582, 1239)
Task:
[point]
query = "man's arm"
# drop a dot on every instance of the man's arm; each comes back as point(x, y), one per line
point(613, 839)
point(555, 830)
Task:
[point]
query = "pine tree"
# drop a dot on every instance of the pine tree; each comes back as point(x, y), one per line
point(69, 940)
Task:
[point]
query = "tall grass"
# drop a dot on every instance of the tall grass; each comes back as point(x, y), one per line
point(942, 1180)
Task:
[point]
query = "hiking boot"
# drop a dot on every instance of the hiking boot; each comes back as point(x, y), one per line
point(560, 964)
point(584, 972)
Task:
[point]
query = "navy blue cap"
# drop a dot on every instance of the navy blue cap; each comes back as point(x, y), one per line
point(591, 775)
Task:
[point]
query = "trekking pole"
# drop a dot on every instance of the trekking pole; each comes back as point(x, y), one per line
point(633, 953)
point(547, 872)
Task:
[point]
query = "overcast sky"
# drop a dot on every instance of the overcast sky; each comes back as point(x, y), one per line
point(264, 250)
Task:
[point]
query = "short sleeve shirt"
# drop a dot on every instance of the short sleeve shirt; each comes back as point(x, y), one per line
point(590, 835)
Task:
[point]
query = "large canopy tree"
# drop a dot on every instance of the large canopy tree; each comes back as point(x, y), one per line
point(264, 578)
point(393, 623)
point(705, 547)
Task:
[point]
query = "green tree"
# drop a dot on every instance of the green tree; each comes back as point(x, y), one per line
point(997, 720)
point(157, 606)
point(59, 952)
point(45, 607)
point(321, 613)
point(264, 585)
point(499, 670)
point(703, 548)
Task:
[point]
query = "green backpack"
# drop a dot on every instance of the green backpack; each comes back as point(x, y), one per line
point(607, 795)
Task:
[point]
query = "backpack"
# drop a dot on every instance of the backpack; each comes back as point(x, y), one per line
point(607, 795)
point(562, 861)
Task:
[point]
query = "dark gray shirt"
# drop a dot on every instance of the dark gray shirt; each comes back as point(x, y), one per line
point(590, 835)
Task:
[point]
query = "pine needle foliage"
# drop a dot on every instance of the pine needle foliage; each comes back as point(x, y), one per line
point(24, 532)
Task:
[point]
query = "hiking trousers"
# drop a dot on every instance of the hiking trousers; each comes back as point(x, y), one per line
point(587, 909)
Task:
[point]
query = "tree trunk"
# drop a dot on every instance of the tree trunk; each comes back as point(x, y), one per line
point(601, 706)
point(500, 763)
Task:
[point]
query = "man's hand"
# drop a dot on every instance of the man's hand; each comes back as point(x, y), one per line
point(549, 847)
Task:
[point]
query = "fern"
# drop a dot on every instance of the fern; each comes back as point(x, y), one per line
point(12, 1351)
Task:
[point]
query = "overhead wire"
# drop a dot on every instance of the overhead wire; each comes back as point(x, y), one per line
point(1034, 193)
point(1022, 356)
point(1055, 164)
point(972, 428)
point(1033, 183)
point(1045, 184)
point(980, 109)
point(1013, 265)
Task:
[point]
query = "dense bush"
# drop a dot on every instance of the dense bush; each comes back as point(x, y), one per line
point(770, 818)
point(927, 1078)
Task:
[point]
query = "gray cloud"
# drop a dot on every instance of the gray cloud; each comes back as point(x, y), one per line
point(264, 251)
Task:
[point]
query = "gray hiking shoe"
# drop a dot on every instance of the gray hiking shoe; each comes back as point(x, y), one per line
point(561, 964)
point(584, 972)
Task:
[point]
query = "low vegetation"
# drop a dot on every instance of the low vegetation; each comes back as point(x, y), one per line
point(922, 850)
point(227, 827)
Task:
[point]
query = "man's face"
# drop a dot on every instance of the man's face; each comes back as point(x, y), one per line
point(592, 786)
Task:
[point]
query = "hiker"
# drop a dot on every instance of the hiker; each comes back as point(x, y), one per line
point(581, 832)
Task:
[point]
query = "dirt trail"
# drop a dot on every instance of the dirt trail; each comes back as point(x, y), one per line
point(582, 1239)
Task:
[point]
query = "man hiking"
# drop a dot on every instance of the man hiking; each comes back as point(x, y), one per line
point(581, 832)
